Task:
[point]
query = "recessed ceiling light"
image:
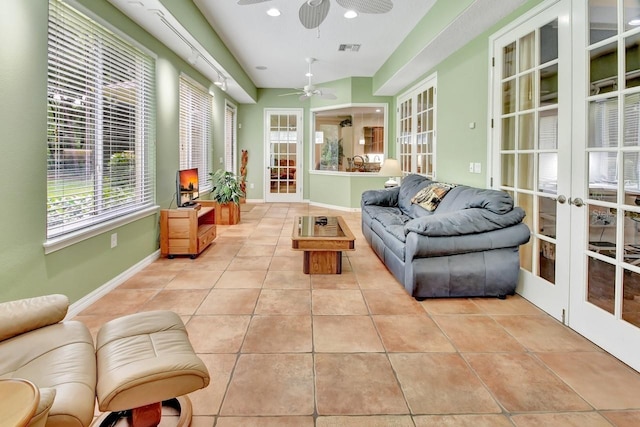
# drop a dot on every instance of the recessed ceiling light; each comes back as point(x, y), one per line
point(273, 12)
point(350, 14)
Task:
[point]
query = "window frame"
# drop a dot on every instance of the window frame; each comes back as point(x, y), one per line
point(196, 131)
point(68, 24)
point(352, 113)
point(415, 160)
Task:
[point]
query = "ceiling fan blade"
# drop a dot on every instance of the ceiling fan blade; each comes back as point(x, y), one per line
point(367, 6)
point(313, 12)
point(245, 2)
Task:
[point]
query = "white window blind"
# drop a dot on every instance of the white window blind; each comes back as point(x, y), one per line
point(230, 138)
point(196, 105)
point(100, 124)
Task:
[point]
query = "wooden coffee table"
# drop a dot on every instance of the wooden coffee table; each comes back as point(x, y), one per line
point(322, 238)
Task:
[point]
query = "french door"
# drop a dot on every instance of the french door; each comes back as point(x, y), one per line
point(605, 263)
point(532, 147)
point(283, 154)
point(566, 144)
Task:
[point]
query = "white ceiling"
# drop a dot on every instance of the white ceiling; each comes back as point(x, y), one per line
point(281, 44)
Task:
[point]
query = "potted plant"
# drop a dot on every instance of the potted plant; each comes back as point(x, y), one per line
point(226, 192)
point(331, 154)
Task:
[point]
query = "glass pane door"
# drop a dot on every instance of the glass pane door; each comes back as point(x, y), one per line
point(417, 130)
point(607, 265)
point(283, 139)
point(531, 138)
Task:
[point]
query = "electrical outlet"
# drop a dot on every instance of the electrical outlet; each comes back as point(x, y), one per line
point(471, 167)
point(477, 168)
point(251, 185)
point(114, 240)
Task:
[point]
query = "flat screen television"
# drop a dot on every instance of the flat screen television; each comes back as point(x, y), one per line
point(187, 187)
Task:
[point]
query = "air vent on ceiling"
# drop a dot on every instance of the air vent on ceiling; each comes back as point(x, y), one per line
point(344, 47)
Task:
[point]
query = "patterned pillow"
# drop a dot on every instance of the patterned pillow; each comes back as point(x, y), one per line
point(430, 196)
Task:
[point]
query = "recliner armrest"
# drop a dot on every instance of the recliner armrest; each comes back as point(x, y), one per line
point(20, 316)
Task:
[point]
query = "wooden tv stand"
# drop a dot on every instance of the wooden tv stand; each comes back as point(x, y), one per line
point(186, 231)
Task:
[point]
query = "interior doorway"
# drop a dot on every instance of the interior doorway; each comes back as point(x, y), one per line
point(283, 152)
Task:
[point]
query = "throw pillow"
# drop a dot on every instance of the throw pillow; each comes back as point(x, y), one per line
point(430, 196)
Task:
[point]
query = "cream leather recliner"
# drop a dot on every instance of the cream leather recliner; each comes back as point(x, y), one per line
point(59, 357)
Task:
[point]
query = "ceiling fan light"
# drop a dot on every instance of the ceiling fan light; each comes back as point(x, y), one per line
point(634, 22)
point(273, 12)
point(350, 14)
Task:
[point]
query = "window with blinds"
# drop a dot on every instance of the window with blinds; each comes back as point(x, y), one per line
point(230, 138)
point(196, 110)
point(100, 124)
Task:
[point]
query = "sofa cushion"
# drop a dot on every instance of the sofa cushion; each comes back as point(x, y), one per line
point(431, 196)
point(17, 317)
point(465, 197)
point(466, 221)
point(409, 187)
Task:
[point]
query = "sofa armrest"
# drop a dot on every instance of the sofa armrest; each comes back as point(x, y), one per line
point(462, 222)
point(383, 197)
point(20, 316)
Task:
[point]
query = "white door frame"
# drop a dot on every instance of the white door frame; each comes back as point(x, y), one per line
point(551, 297)
point(283, 197)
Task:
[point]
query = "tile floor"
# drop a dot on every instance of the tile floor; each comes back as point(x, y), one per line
point(288, 349)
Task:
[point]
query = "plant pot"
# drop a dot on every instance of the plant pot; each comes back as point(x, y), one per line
point(227, 213)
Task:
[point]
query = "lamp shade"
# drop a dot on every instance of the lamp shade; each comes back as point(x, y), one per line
point(390, 167)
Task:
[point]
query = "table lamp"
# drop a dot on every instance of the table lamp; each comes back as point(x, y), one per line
point(391, 168)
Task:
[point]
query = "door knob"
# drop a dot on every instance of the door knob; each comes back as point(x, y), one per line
point(577, 201)
point(560, 199)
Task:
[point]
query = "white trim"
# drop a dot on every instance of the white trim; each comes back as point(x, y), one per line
point(418, 87)
point(334, 207)
point(511, 26)
point(86, 301)
point(61, 242)
point(519, 21)
point(296, 197)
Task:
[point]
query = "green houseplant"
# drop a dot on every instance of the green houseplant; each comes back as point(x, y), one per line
point(226, 192)
point(226, 187)
point(331, 154)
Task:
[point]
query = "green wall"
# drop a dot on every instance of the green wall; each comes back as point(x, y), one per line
point(83, 267)
point(251, 134)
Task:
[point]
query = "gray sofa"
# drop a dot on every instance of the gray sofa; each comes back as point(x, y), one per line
point(464, 244)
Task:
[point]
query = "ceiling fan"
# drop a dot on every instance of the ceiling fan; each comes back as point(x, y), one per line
point(310, 90)
point(313, 12)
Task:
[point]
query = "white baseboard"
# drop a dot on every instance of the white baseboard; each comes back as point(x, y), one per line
point(87, 300)
point(334, 207)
